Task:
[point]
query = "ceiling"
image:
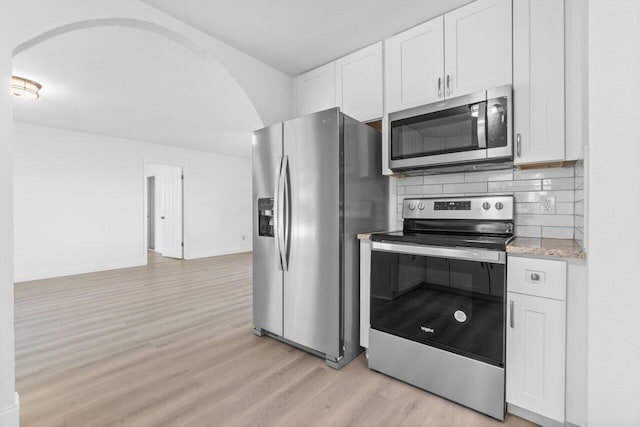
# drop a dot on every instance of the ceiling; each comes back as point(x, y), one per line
point(129, 83)
point(134, 84)
point(294, 36)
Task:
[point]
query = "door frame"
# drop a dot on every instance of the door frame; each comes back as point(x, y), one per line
point(145, 236)
point(151, 212)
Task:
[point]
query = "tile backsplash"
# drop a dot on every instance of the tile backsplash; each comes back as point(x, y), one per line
point(549, 201)
point(579, 203)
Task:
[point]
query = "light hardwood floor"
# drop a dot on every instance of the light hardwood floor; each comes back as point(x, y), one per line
point(171, 344)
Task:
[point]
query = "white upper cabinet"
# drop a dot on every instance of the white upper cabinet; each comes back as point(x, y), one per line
point(317, 89)
point(477, 49)
point(353, 83)
point(576, 49)
point(414, 65)
point(463, 51)
point(359, 83)
point(538, 81)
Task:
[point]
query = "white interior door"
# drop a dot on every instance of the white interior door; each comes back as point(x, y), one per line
point(171, 216)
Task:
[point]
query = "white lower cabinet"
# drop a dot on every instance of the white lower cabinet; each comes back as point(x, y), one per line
point(536, 355)
point(536, 338)
point(365, 284)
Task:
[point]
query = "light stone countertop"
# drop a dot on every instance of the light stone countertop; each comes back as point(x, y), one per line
point(564, 248)
point(367, 236)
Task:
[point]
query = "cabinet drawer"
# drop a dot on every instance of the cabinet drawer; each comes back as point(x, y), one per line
point(537, 277)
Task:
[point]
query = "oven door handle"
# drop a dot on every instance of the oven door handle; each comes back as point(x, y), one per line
point(466, 254)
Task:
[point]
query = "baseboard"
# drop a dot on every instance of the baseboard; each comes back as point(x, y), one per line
point(217, 252)
point(10, 417)
point(82, 269)
point(533, 417)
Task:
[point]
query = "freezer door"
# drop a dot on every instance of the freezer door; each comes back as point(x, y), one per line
point(267, 275)
point(312, 282)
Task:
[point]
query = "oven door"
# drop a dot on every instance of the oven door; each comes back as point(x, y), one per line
point(449, 298)
point(451, 131)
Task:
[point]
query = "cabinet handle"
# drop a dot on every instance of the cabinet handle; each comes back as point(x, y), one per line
point(518, 145)
point(439, 87)
point(448, 84)
point(511, 321)
point(535, 277)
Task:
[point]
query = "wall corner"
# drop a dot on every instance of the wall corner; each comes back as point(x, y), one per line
point(10, 417)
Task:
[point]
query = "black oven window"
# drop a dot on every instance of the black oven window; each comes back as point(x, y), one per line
point(447, 131)
point(452, 304)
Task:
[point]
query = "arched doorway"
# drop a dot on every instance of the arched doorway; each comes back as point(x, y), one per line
point(134, 86)
point(23, 48)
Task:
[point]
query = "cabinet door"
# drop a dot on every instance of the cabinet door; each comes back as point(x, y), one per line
point(576, 66)
point(536, 354)
point(538, 81)
point(365, 283)
point(478, 47)
point(414, 61)
point(359, 83)
point(317, 89)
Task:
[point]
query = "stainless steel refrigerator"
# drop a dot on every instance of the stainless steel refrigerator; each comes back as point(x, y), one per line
point(317, 182)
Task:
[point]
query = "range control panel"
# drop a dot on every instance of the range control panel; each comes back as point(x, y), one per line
point(474, 207)
point(464, 205)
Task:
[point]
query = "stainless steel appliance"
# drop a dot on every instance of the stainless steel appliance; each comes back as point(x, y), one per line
point(316, 184)
point(438, 299)
point(468, 130)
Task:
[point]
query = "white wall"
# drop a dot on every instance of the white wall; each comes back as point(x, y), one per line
point(270, 91)
point(614, 213)
point(8, 410)
point(80, 202)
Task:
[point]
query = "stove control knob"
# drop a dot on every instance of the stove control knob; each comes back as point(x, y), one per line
point(499, 205)
point(412, 206)
point(421, 206)
point(486, 206)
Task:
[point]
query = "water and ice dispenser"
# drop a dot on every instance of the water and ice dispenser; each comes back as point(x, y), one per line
point(265, 217)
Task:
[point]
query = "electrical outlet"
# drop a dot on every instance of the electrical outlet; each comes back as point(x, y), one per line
point(548, 204)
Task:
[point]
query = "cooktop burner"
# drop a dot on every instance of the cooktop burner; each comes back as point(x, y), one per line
point(477, 222)
point(451, 240)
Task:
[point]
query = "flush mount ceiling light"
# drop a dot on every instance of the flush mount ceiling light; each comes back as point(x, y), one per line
point(25, 88)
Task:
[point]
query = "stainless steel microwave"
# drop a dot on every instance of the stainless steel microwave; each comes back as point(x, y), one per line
point(467, 130)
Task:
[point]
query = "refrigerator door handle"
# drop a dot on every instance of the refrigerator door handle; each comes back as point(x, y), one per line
point(285, 244)
point(277, 214)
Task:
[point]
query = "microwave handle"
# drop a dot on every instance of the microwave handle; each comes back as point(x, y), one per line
point(482, 125)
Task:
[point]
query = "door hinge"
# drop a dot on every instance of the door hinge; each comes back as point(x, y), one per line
point(182, 244)
point(181, 176)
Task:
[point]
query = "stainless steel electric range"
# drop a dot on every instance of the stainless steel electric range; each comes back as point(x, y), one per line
point(438, 299)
